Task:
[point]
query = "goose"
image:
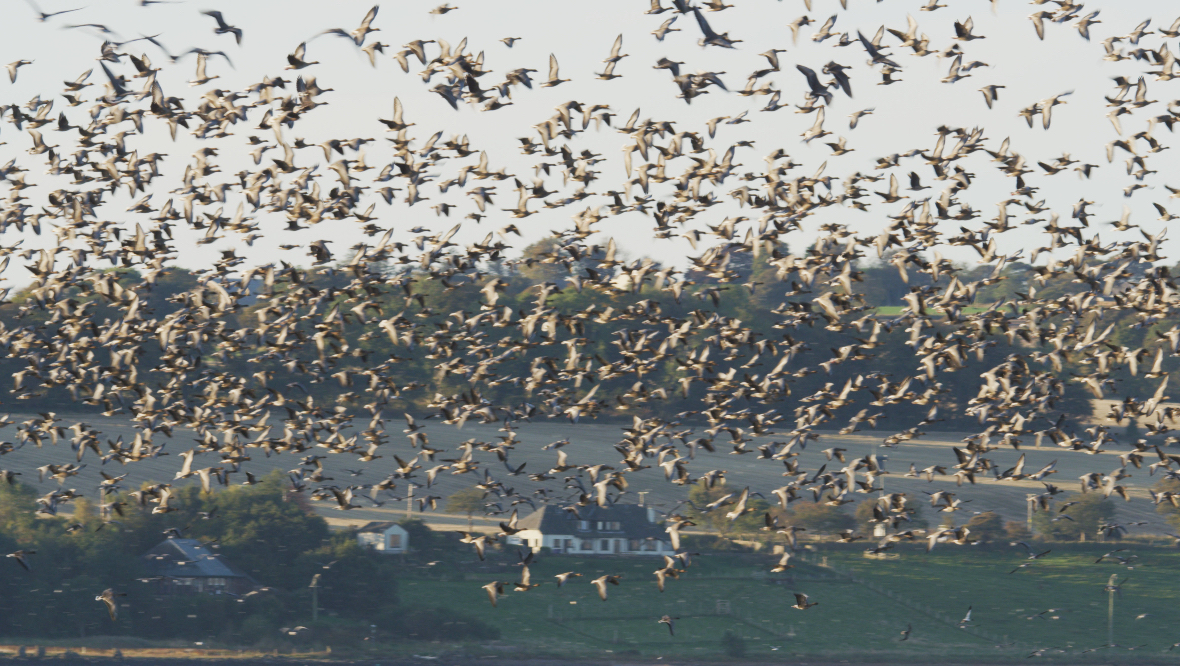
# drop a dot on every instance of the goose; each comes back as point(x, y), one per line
point(223, 27)
point(108, 598)
point(801, 602)
point(601, 582)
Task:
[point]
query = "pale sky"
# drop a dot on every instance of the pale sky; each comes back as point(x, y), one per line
point(580, 35)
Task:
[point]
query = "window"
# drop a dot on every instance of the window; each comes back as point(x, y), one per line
point(649, 545)
point(633, 545)
point(395, 541)
point(604, 545)
point(583, 525)
point(587, 544)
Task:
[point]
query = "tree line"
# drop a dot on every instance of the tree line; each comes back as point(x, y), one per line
point(424, 358)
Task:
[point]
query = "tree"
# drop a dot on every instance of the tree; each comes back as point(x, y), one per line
point(353, 581)
point(751, 521)
point(468, 501)
point(250, 516)
point(1090, 510)
point(1166, 509)
point(1132, 433)
point(882, 284)
point(540, 264)
point(863, 516)
point(422, 538)
point(769, 291)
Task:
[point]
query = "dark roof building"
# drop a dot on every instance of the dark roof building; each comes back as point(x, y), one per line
point(617, 529)
point(186, 566)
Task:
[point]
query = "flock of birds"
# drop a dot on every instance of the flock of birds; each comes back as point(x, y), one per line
point(674, 174)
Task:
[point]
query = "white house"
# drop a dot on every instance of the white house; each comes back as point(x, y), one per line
point(385, 536)
point(623, 529)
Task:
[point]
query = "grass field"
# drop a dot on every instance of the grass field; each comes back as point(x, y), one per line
point(864, 605)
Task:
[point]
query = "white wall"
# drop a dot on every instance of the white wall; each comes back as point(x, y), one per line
point(392, 541)
point(397, 540)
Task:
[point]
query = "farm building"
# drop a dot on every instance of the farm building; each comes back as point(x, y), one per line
point(384, 536)
point(623, 529)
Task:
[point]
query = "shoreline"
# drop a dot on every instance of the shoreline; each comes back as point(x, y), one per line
point(208, 656)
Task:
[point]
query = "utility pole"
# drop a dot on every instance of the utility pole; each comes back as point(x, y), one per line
point(1030, 499)
point(879, 529)
point(1111, 589)
point(410, 502)
point(315, 597)
point(882, 467)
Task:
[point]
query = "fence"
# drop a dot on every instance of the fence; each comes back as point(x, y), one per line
point(917, 606)
point(568, 617)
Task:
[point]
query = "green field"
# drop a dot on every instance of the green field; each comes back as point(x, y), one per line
point(864, 605)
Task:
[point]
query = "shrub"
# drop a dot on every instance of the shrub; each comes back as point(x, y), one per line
point(987, 527)
point(1016, 530)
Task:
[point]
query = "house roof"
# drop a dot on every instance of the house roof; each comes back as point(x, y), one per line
point(380, 526)
point(189, 558)
point(632, 519)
